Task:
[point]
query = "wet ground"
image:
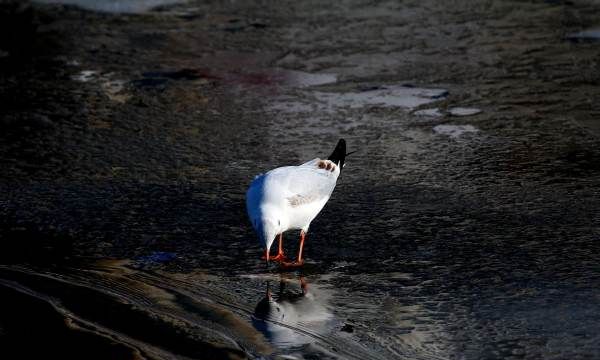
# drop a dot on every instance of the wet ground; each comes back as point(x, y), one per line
point(465, 227)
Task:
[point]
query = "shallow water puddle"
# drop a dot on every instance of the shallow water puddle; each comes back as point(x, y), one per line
point(296, 314)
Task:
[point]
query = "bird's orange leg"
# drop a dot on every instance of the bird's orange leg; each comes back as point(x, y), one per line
point(302, 235)
point(280, 257)
point(299, 261)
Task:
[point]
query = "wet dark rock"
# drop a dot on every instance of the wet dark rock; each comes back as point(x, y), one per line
point(347, 328)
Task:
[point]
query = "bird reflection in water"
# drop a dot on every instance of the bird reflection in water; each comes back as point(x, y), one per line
point(293, 317)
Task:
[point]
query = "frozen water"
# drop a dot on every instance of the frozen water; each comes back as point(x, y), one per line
point(389, 96)
point(463, 111)
point(434, 112)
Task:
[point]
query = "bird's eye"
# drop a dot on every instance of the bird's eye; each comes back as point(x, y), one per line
point(279, 222)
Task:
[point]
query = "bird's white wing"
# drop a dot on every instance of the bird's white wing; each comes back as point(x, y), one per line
point(308, 183)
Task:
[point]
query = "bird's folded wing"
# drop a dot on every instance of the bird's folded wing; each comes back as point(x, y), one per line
point(307, 183)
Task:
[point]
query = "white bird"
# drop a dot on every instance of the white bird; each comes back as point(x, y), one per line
point(290, 197)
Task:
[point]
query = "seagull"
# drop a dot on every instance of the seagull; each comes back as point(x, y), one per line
point(290, 197)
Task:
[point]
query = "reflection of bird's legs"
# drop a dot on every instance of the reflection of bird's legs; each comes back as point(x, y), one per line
point(303, 285)
point(269, 295)
point(281, 288)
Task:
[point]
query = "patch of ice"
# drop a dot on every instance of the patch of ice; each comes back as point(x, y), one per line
point(85, 75)
point(434, 112)
point(463, 111)
point(454, 131)
point(405, 97)
point(389, 96)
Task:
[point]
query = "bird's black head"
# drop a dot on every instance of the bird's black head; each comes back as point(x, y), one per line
point(339, 154)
